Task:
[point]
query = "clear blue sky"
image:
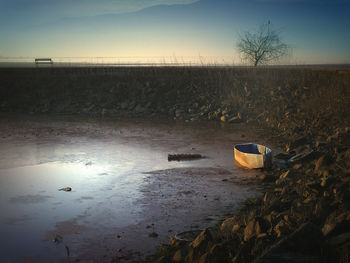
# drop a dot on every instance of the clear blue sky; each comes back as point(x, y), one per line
point(318, 31)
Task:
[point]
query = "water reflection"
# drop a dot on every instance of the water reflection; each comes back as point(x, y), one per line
point(123, 187)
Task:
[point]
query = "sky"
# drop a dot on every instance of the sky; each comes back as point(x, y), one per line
point(317, 32)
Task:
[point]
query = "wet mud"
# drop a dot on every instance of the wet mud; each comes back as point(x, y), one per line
point(126, 197)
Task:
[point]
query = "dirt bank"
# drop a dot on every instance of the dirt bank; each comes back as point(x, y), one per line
point(304, 214)
point(289, 100)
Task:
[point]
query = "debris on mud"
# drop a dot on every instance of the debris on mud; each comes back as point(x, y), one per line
point(183, 157)
point(303, 215)
point(66, 189)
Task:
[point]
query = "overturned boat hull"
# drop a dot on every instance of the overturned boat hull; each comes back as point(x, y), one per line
point(253, 155)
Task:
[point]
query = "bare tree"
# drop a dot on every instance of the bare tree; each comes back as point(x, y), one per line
point(262, 46)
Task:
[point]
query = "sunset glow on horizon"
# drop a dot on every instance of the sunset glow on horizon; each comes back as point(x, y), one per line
point(170, 30)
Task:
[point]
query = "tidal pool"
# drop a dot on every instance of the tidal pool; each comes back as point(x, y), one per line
point(126, 197)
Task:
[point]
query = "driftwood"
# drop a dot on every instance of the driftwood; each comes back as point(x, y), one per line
point(183, 157)
point(66, 189)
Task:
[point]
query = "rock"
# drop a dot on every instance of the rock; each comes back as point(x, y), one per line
point(336, 223)
point(202, 240)
point(139, 109)
point(302, 157)
point(282, 228)
point(296, 143)
point(228, 224)
point(218, 253)
point(174, 242)
point(285, 174)
point(253, 228)
point(283, 156)
point(283, 178)
point(319, 163)
point(178, 256)
point(297, 166)
point(178, 113)
point(340, 239)
point(319, 143)
point(323, 160)
point(132, 105)
point(236, 119)
point(302, 246)
point(204, 258)
point(190, 256)
point(235, 228)
point(266, 177)
point(337, 248)
point(124, 105)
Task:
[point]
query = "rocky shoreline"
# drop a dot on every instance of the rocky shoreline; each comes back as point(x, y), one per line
point(304, 215)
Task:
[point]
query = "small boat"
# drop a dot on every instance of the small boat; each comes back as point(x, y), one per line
point(252, 155)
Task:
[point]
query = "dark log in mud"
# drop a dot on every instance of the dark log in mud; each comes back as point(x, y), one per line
point(183, 157)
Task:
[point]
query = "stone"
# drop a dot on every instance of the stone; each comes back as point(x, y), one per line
point(202, 239)
point(139, 109)
point(306, 155)
point(124, 105)
point(204, 258)
point(249, 230)
point(337, 222)
point(340, 239)
point(235, 228)
point(319, 163)
point(283, 178)
point(218, 253)
point(178, 113)
point(253, 228)
point(235, 119)
point(178, 256)
point(302, 246)
point(298, 142)
point(285, 174)
point(174, 242)
point(297, 166)
point(319, 143)
point(266, 177)
point(228, 224)
point(281, 228)
point(190, 256)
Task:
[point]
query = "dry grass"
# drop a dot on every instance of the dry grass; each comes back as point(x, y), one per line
point(290, 95)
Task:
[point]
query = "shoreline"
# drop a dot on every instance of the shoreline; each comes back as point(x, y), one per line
point(303, 216)
point(305, 203)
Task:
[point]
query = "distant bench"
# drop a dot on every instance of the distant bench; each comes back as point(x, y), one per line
point(43, 61)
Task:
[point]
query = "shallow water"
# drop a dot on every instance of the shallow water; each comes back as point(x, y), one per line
point(123, 187)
